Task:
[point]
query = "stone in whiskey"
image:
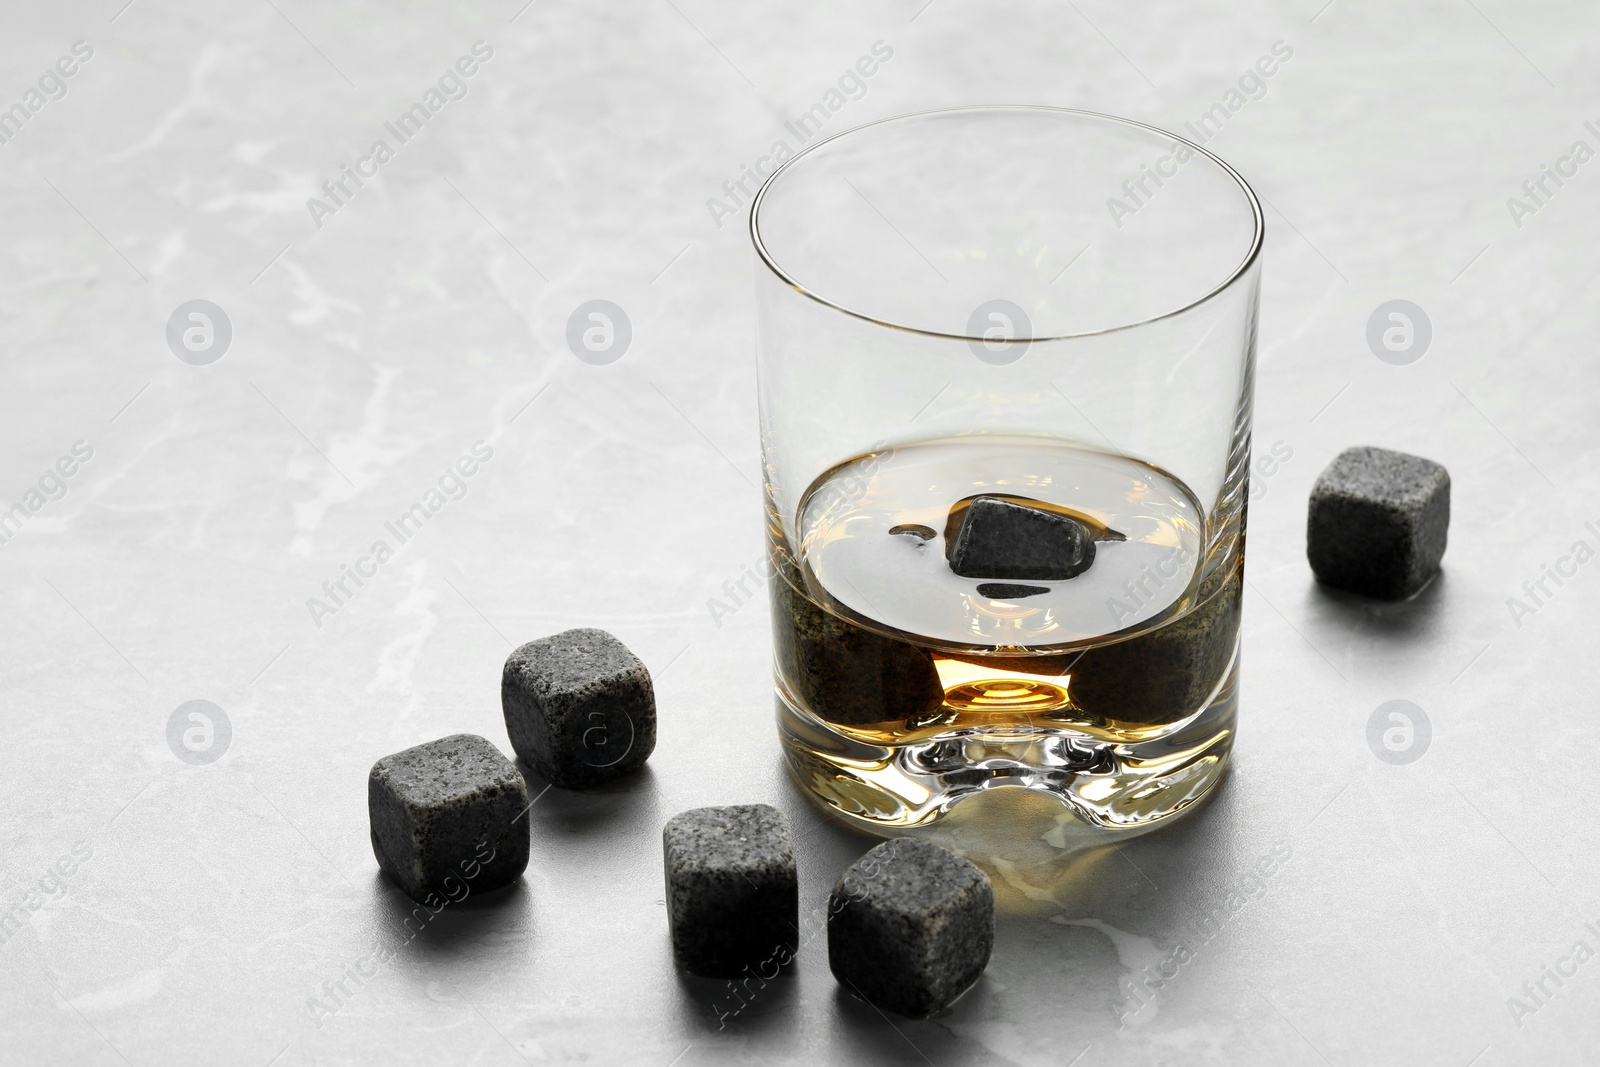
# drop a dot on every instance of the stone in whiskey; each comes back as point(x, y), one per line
point(846, 673)
point(1004, 539)
point(1167, 673)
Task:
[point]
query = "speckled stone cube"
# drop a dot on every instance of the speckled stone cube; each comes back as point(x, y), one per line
point(910, 927)
point(579, 707)
point(1166, 674)
point(1377, 523)
point(733, 898)
point(1003, 539)
point(448, 818)
point(845, 673)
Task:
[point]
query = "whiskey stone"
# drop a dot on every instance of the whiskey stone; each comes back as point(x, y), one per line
point(448, 815)
point(1166, 674)
point(910, 927)
point(733, 897)
point(843, 672)
point(1377, 523)
point(579, 707)
point(1002, 539)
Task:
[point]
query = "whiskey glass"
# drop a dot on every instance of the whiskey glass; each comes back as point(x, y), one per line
point(990, 339)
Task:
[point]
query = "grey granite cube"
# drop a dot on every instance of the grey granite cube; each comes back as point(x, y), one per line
point(1166, 674)
point(448, 818)
point(910, 927)
point(579, 707)
point(846, 674)
point(1003, 539)
point(1378, 522)
point(733, 897)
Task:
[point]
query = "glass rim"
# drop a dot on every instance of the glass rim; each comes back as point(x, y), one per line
point(1251, 255)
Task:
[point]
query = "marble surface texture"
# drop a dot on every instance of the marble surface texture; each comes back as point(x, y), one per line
point(165, 910)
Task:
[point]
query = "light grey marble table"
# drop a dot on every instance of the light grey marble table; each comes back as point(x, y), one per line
point(165, 912)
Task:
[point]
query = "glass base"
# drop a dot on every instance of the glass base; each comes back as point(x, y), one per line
point(1120, 788)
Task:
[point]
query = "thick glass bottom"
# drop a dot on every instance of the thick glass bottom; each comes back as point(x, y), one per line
point(1112, 787)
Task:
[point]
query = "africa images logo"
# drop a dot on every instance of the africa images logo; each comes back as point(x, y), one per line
point(452, 85)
